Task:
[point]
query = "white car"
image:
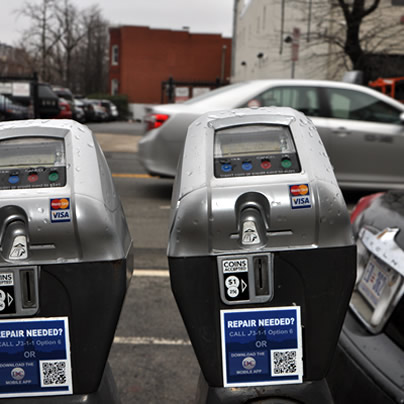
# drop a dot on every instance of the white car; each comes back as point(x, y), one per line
point(362, 129)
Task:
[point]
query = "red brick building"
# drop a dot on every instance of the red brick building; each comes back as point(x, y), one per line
point(141, 59)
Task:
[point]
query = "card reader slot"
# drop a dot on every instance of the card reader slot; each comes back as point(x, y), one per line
point(261, 275)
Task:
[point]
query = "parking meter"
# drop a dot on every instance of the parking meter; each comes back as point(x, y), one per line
point(65, 264)
point(261, 255)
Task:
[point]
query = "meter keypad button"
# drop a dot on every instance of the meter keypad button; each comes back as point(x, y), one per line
point(33, 177)
point(14, 179)
point(266, 164)
point(286, 163)
point(226, 167)
point(53, 176)
point(247, 166)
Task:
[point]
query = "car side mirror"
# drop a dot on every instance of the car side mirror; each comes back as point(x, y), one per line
point(402, 118)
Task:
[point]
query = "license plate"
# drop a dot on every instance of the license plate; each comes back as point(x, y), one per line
point(377, 278)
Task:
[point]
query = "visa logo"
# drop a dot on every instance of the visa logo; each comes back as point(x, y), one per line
point(301, 202)
point(60, 216)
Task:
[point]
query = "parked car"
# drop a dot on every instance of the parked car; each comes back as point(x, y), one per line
point(48, 101)
point(65, 109)
point(362, 129)
point(10, 110)
point(370, 352)
point(111, 109)
point(94, 111)
point(67, 97)
point(78, 111)
point(63, 92)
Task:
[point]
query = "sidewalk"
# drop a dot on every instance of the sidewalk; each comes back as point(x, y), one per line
point(118, 143)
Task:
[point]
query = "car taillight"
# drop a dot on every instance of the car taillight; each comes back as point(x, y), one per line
point(363, 204)
point(155, 120)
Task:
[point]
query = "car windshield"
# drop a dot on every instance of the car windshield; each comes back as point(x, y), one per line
point(46, 92)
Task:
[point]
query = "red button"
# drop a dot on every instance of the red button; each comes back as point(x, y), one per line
point(266, 164)
point(33, 177)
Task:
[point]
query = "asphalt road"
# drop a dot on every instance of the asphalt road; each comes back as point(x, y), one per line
point(151, 358)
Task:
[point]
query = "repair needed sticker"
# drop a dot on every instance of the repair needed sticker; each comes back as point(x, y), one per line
point(300, 196)
point(60, 210)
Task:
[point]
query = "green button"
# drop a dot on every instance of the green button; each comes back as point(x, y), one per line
point(53, 177)
point(286, 163)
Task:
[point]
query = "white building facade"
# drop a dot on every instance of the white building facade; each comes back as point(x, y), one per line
point(277, 38)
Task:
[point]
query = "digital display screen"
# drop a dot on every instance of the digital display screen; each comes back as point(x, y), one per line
point(253, 140)
point(32, 151)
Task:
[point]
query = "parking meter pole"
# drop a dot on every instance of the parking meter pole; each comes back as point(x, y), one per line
point(65, 264)
point(261, 255)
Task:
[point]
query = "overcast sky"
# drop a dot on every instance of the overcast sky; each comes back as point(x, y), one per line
point(212, 16)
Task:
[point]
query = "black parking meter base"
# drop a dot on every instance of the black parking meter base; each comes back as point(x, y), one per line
point(305, 393)
point(107, 393)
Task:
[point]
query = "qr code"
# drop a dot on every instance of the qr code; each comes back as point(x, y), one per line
point(54, 373)
point(284, 362)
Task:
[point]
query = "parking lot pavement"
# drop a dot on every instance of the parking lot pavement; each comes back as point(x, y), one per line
point(151, 358)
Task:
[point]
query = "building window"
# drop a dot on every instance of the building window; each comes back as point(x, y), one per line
point(115, 55)
point(114, 87)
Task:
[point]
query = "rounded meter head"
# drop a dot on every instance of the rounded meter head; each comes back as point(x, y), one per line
point(250, 155)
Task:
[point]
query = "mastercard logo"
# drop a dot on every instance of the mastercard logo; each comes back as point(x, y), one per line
point(62, 203)
point(298, 190)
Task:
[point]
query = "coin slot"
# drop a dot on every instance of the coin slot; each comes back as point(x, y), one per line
point(28, 290)
point(261, 274)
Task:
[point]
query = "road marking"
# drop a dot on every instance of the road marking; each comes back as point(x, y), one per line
point(152, 272)
point(150, 341)
point(165, 207)
point(133, 176)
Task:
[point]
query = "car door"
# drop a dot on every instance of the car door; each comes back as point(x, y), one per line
point(366, 139)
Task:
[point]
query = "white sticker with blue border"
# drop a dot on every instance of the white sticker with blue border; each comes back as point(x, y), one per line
point(60, 210)
point(300, 196)
point(35, 357)
point(261, 346)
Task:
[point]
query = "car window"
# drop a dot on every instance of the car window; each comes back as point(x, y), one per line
point(215, 92)
point(46, 92)
point(304, 99)
point(350, 104)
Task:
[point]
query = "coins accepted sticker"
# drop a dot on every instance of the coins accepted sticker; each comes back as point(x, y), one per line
point(235, 277)
point(261, 346)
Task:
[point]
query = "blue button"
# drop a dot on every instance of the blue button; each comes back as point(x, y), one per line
point(247, 166)
point(226, 167)
point(14, 179)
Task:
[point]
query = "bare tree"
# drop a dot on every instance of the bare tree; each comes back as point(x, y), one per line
point(38, 40)
point(93, 53)
point(359, 32)
point(70, 31)
point(68, 46)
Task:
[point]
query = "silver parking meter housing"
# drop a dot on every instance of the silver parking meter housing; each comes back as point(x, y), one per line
point(66, 247)
point(255, 190)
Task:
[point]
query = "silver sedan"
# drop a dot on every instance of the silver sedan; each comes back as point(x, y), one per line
point(362, 129)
